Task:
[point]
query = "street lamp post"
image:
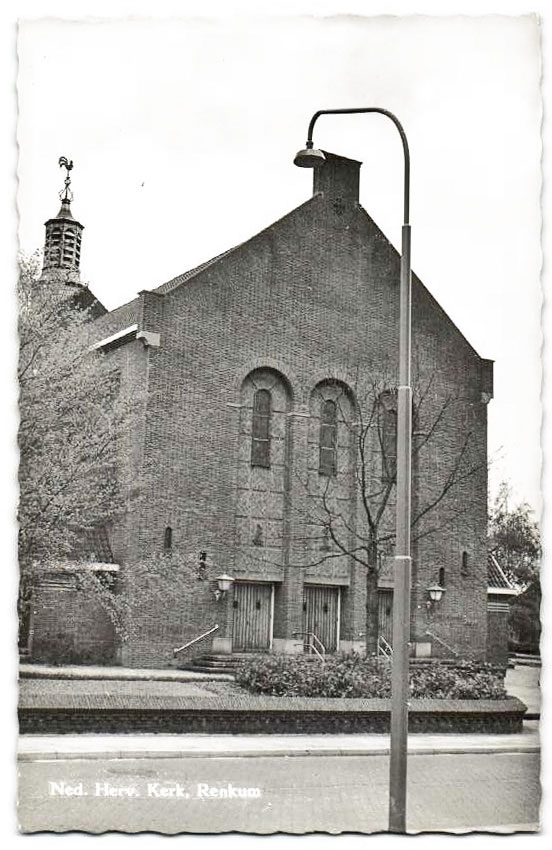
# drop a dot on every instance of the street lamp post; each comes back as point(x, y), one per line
point(312, 158)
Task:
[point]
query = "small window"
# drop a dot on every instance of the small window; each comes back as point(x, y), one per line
point(258, 536)
point(260, 429)
point(441, 577)
point(202, 566)
point(328, 439)
point(167, 540)
point(465, 563)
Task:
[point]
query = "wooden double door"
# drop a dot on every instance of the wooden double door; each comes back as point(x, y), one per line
point(321, 615)
point(253, 614)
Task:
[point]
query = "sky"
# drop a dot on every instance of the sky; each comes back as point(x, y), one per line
point(183, 132)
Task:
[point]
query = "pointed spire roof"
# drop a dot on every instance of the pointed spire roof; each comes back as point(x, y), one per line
point(65, 210)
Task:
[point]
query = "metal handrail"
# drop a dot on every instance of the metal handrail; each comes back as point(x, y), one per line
point(444, 643)
point(384, 647)
point(311, 644)
point(195, 640)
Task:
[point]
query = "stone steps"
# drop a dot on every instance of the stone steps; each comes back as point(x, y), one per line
point(213, 663)
point(527, 660)
point(220, 663)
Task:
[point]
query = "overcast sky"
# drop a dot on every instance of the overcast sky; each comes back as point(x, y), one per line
point(183, 134)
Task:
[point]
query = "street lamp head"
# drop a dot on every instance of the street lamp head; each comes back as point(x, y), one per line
point(309, 157)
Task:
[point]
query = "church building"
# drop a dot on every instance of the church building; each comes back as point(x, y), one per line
point(260, 469)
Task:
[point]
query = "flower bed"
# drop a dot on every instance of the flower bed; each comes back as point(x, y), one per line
point(353, 676)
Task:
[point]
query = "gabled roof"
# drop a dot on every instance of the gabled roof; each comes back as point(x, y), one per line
point(182, 278)
point(127, 313)
point(186, 276)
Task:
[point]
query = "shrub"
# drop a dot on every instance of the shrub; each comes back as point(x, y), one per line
point(352, 675)
point(462, 680)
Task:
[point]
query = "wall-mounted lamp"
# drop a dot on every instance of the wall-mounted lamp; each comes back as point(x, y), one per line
point(224, 583)
point(434, 595)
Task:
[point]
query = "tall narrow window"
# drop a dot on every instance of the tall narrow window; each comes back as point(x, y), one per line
point(260, 429)
point(465, 563)
point(387, 428)
point(328, 439)
point(167, 540)
point(441, 577)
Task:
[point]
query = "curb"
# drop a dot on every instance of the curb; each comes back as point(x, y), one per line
point(501, 829)
point(280, 753)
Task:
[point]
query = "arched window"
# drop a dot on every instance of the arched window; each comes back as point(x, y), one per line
point(167, 540)
point(260, 429)
point(387, 430)
point(465, 563)
point(328, 438)
point(441, 577)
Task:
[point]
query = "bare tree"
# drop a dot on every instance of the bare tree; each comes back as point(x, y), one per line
point(362, 529)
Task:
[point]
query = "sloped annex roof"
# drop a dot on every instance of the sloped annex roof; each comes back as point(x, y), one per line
point(91, 553)
point(95, 545)
point(496, 579)
point(119, 317)
point(495, 575)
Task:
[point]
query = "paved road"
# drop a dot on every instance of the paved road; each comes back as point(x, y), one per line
point(297, 794)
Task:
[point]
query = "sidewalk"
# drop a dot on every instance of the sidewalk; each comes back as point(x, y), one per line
point(522, 682)
point(45, 671)
point(46, 747)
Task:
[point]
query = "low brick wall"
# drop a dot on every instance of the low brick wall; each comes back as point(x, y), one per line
point(263, 715)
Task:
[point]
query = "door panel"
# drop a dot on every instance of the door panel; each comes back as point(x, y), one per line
point(252, 631)
point(385, 615)
point(321, 615)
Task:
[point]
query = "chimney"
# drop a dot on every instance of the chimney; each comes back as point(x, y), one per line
point(338, 178)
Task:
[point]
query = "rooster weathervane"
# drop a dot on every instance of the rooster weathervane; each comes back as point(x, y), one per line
point(66, 193)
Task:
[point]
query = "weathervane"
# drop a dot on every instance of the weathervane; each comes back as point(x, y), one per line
point(66, 193)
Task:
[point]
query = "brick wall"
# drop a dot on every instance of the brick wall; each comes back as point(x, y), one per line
point(497, 635)
point(69, 626)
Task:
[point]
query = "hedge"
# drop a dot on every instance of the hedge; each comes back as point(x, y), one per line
point(351, 675)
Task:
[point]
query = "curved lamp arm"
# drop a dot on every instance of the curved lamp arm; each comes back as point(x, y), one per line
point(399, 127)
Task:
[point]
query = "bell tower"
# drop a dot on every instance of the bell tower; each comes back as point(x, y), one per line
point(62, 244)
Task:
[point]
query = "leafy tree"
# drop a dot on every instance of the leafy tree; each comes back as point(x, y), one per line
point(71, 419)
point(524, 620)
point(514, 539)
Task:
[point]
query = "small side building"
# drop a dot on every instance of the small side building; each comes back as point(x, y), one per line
point(500, 592)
